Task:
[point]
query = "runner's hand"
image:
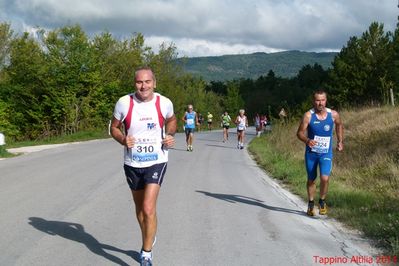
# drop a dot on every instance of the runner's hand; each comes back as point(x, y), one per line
point(129, 141)
point(311, 143)
point(168, 141)
point(340, 146)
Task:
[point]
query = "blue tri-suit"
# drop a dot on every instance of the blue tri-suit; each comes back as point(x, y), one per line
point(189, 124)
point(321, 154)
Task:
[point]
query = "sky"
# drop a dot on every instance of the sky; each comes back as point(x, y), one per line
point(211, 27)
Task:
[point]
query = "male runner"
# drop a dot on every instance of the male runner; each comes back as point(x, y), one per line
point(316, 131)
point(149, 126)
point(190, 119)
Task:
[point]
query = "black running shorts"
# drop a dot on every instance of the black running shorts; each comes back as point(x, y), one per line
point(137, 178)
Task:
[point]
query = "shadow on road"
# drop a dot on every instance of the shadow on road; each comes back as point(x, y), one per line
point(250, 201)
point(177, 149)
point(221, 146)
point(208, 140)
point(76, 232)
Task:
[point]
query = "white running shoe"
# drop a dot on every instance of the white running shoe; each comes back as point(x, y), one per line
point(146, 258)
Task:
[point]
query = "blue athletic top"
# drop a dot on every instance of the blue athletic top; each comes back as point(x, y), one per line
point(322, 132)
point(190, 120)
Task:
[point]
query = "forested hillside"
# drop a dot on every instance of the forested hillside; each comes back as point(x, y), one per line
point(228, 67)
point(364, 72)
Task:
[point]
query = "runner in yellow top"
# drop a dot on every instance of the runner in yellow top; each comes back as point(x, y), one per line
point(226, 119)
point(209, 119)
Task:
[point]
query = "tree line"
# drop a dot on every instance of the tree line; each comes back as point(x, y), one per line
point(63, 81)
point(362, 73)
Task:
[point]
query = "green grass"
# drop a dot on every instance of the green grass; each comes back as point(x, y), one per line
point(4, 153)
point(364, 185)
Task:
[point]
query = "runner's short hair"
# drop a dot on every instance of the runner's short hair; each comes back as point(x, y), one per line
point(145, 68)
point(319, 91)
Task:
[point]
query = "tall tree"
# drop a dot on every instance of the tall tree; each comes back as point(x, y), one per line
point(233, 100)
point(27, 72)
point(361, 68)
point(71, 67)
point(394, 65)
point(6, 35)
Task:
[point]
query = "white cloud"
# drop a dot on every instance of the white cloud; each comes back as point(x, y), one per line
point(198, 47)
point(210, 27)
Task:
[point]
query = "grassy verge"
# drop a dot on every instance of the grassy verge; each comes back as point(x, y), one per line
point(364, 185)
point(4, 153)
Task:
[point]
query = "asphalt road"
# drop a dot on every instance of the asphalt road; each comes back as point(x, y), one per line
point(70, 205)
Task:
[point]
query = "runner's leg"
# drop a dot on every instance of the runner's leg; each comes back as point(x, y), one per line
point(145, 201)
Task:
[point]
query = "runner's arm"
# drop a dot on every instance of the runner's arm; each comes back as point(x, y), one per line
point(116, 133)
point(171, 125)
point(339, 130)
point(236, 121)
point(170, 129)
point(301, 132)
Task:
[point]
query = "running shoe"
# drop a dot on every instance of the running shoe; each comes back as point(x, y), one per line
point(191, 148)
point(310, 211)
point(146, 258)
point(146, 261)
point(242, 147)
point(322, 207)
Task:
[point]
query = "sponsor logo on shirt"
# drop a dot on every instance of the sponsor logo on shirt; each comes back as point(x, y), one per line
point(151, 126)
point(326, 127)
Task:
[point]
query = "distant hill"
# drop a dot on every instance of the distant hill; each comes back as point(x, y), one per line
point(229, 67)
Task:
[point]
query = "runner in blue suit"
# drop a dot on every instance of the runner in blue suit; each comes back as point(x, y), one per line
point(316, 131)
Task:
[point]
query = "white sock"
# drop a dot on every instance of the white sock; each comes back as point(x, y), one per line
point(145, 254)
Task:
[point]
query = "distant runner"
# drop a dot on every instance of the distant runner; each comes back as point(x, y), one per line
point(190, 119)
point(209, 118)
point(242, 123)
point(226, 119)
point(258, 125)
point(316, 131)
point(200, 121)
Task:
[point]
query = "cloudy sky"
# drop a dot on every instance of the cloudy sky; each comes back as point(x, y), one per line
point(211, 27)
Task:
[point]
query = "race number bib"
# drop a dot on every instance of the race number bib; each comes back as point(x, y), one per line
point(190, 121)
point(145, 150)
point(322, 144)
point(241, 127)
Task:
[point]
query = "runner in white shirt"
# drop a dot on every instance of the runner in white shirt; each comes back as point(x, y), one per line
point(149, 126)
point(242, 124)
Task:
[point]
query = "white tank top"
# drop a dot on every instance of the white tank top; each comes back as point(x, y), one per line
point(146, 126)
